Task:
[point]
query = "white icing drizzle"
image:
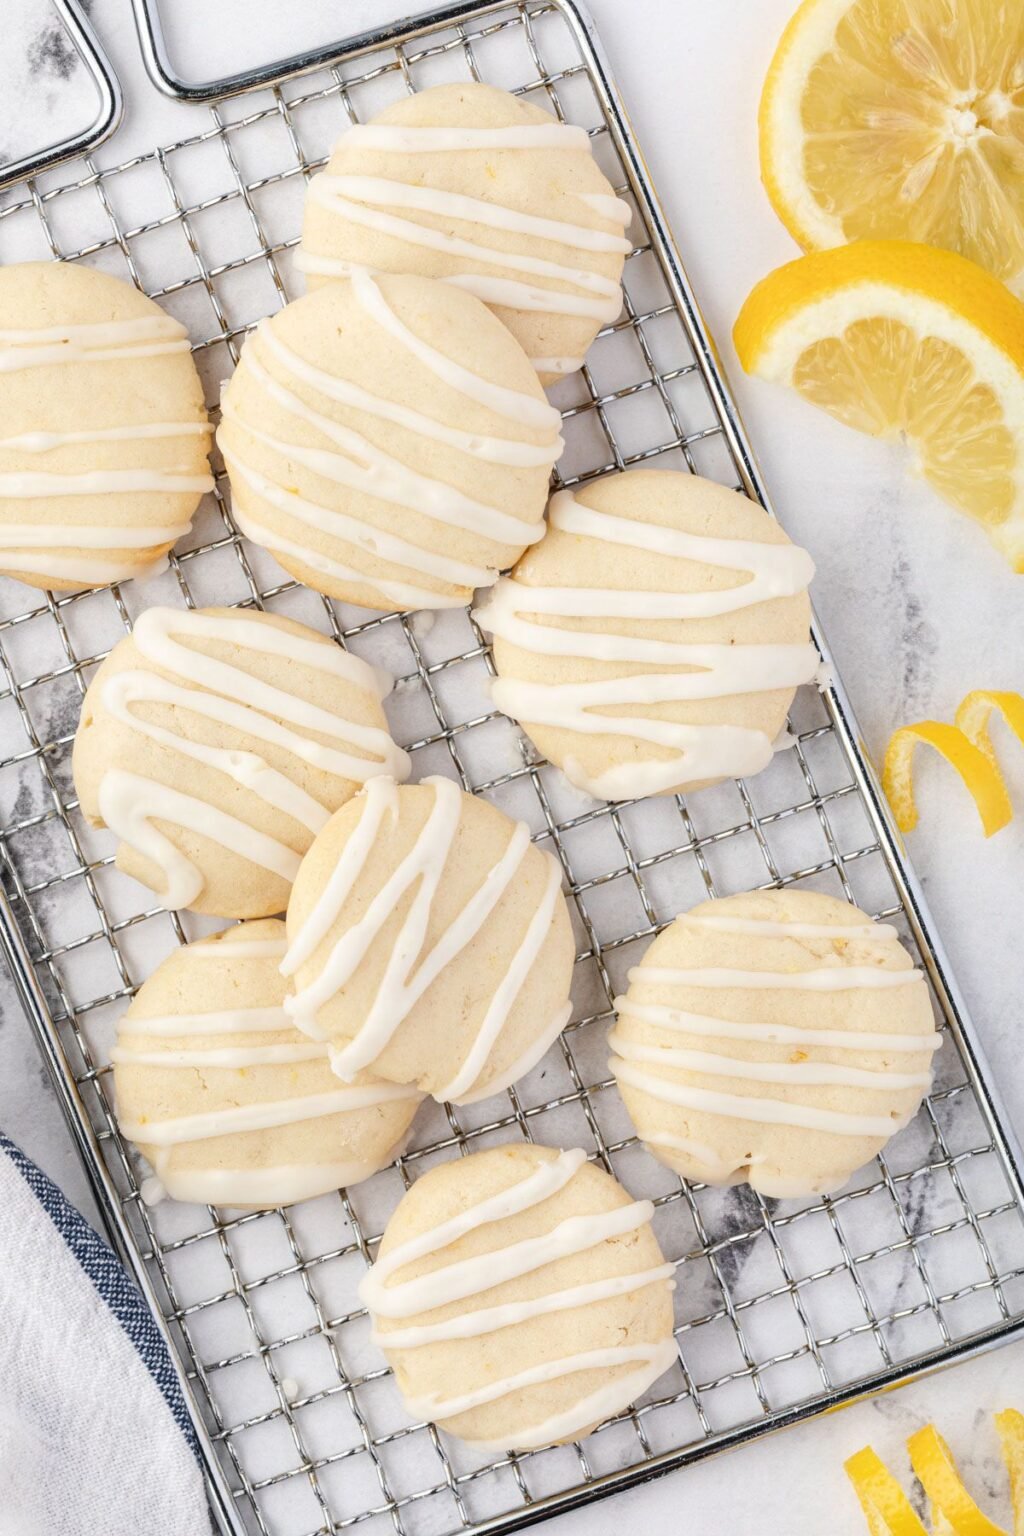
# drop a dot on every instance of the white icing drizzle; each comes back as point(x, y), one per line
point(284, 1185)
point(222, 1021)
point(264, 1116)
point(84, 536)
point(522, 1064)
point(796, 1074)
point(99, 341)
point(594, 1409)
point(473, 1325)
point(361, 466)
point(256, 949)
point(766, 1111)
point(516, 452)
point(233, 696)
point(400, 987)
point(404, 596)
point(47, 442)
point(376, 541)
point(718, 1168)
point(363, 200)
point(610, 207)
point(614, 1355)
point(417, 139)
point(511, 403)
point(776, 1034)
point(127, 802)
point(26, 485)
point(714, 671)
point(230, 1057)
point(771, 928)
point(461, 1279)
point(825, 978)
point(87, 573)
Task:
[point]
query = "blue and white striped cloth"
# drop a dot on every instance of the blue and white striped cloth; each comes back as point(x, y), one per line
point(95, 1438)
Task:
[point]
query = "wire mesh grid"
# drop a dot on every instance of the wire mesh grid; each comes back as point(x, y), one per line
point(783, 1307)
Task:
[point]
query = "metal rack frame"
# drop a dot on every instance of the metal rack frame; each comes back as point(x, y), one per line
point(961, 1182)
point(109, 106)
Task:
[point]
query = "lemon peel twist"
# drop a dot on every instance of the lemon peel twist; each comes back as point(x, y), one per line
point(888, 1511)
point(967, 746)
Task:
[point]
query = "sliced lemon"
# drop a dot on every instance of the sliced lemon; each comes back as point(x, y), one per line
point(900, 119)
point(931, 1460)
point(980, 774)
point(906, 342)
point(973, 716)
point(886, 1507)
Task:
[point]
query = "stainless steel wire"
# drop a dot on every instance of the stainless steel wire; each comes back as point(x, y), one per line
point(783, 1308)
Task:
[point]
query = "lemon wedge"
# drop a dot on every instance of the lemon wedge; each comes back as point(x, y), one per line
point(900, 119)
point(910, 343)
point(937, 1474)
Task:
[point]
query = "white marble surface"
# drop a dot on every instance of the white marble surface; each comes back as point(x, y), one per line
point(918, 610)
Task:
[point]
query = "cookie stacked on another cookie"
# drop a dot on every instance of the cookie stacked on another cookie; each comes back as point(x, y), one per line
point(429, 941)
point(388, 441)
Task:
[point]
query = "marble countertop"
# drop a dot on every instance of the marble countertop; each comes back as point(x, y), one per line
point(918, 610)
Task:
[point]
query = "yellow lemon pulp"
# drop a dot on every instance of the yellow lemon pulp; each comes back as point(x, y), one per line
point(907, 342)
point(900, 119)
point(930, 1458)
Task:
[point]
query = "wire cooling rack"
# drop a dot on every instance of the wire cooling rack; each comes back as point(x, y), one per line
point(783, 1308)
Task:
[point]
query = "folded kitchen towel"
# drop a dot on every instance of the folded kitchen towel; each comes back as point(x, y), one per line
point(95, 1438)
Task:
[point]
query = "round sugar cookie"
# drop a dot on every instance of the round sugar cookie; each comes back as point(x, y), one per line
point(227, 1100)
point(103, 428)
point(429, 941)
point(521, 1298)
point(778, 1038)
point(388, 441)
point(489, 193)
point(216, 743)
point(653, 641)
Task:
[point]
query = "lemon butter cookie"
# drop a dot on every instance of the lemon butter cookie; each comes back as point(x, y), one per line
point(778, 1038)
point(104, 431)
point(387, 440)
point(228, 1101)
point(216, 743)
point(429, 941)
point(489, 193)
point(521, 1298)
point(654, 640)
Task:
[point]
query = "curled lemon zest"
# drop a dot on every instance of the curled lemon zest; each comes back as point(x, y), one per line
point(977, 769)
point(936, 1472)
point(973, 716)
point(886, 1507)
point(1010, 1424)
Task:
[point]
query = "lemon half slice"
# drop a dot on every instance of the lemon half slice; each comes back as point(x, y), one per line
point(900, 119)
point(911, 343)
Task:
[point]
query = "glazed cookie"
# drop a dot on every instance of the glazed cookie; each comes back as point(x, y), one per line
point(389, 443)
point(230, 1103)
point(521, 1298)
point(489, 193)
point(104, 432)
point(429, 941)
point(653, 642)
point(216, 743)
point(778, 1038)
